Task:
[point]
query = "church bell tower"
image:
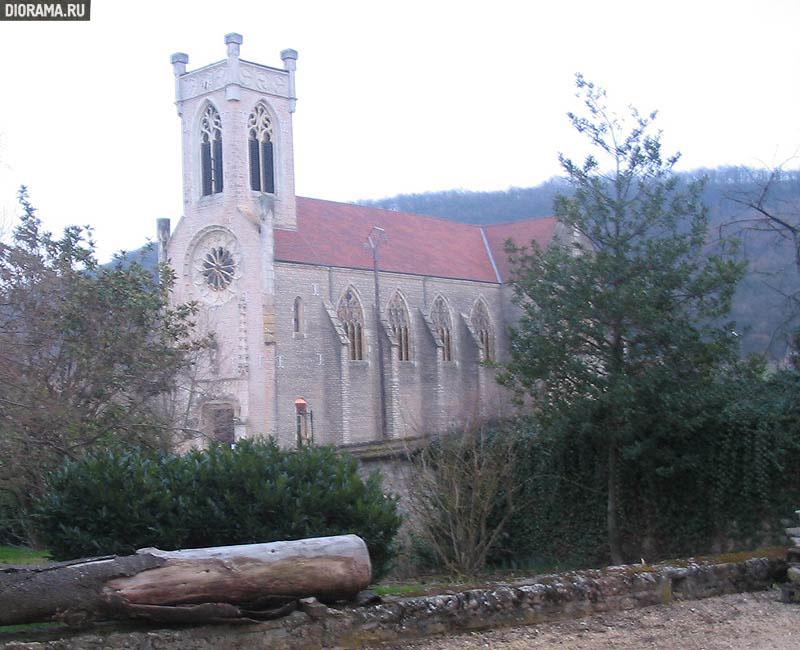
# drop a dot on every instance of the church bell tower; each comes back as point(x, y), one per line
point(238, 185)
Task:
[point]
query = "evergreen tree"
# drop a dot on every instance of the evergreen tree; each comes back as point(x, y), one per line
point(622, 315)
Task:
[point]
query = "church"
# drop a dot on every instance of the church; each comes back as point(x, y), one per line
point(332, 323)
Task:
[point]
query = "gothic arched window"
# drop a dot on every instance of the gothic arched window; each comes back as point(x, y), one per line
point(211, 151)
point(352, 317)
point(483, 328)
point(399, 321)
point(440, 315)
point(260, 139)
point(297, 315)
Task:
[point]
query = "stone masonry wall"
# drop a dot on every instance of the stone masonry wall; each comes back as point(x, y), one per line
point(549, 598)
point(309, 363)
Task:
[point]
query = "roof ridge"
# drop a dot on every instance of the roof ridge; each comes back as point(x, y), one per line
point(390, 211)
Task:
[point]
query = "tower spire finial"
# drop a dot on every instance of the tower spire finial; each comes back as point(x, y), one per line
point(289, 58)
point(233, 41)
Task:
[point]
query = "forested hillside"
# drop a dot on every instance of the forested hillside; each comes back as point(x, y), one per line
point(760, 309)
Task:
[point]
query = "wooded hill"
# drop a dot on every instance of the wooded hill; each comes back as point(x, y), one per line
point(760, 307)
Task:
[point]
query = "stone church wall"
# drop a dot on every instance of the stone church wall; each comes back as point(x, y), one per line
point(344, 394)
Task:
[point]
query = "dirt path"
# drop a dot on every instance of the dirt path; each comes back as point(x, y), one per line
point(740, 622)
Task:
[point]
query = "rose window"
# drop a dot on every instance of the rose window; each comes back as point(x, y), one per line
point(218, 268)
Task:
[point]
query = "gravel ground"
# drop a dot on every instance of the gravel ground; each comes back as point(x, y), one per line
point(737, 622)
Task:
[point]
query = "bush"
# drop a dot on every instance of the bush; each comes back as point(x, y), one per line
point(113, 502)
point(116, 502)
point(464, 488)
point(716, 472)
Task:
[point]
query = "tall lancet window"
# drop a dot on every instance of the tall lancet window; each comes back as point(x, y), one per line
point(440, 316)
point(211, 151)
point(483, 327)
point(262, 161)
point(297, 316)
point(399, 322)
point(352, 317)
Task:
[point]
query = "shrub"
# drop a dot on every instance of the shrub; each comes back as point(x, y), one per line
point(115, 502)
point(464, 488)
point(112, 502)
point(717, 472)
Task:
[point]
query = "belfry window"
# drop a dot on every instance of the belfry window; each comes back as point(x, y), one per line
point(262, 154)
point(483, 328)
point(352, 318)
point(399, 322)
point(440, 316)
point(211, 151)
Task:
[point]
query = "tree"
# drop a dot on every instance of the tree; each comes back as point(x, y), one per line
point(85, 350)
point(768, 218)
point(624, 312)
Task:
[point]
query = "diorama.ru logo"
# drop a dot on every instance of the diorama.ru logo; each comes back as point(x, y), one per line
point(43, 10)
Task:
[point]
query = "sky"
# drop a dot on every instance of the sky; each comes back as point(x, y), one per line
point(393, 97)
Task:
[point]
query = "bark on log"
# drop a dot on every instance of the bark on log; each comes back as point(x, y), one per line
point(204, 585)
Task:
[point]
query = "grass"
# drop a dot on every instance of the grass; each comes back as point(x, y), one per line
point(400, 589)
point(22, 555)
point(29, 627)
point(431, 585)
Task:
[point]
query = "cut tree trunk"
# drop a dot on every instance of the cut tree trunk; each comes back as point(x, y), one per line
point(248, 582)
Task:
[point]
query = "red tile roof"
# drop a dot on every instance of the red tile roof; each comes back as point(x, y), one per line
point(333, 234)
point(521, 233)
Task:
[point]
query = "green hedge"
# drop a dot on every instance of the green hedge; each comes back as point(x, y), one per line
point(118, 501)
point(717, 470)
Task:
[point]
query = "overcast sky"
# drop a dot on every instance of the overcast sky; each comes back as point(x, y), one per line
point(393, 97)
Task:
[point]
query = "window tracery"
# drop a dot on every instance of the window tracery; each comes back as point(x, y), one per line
point(260, 145)
point(211, 151)
point(399, 322)
point(352, 318)
point(483, 328)
point(218, 268)
point(440, 316)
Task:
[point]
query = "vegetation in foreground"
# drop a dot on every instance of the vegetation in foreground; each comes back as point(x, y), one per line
point(118, 501)
point(87, 355)
point(650, 439)
point(627, 318)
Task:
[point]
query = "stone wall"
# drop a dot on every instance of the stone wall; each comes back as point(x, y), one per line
point(548, 598)
point(344, 395)
point(790, 592)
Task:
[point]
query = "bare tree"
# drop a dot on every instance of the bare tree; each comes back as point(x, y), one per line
point(768, 217)
point(463, 488)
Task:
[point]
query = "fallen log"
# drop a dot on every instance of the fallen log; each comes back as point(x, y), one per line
point(226, 583)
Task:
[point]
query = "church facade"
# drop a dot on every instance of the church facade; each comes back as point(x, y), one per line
point(333, 323)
